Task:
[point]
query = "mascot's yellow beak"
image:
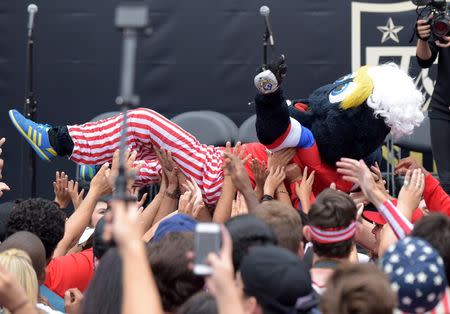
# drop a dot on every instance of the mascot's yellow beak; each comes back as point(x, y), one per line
point(364, 88)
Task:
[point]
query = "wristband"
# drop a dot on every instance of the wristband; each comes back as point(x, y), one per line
point(267, 197)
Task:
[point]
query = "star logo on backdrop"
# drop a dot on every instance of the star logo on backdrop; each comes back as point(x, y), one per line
point(390, 31)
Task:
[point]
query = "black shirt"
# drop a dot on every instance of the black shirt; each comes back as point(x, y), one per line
point(440, 100)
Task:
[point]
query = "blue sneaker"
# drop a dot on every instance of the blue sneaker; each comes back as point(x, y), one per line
point(87, 172)
point(36, 134)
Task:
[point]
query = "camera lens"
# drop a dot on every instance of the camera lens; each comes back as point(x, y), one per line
point(441, 27)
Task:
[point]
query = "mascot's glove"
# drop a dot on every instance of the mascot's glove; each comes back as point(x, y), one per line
point(270, 76)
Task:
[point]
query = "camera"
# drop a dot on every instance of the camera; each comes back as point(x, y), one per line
point(440, 15)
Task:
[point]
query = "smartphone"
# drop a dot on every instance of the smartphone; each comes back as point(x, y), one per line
point(207, 240)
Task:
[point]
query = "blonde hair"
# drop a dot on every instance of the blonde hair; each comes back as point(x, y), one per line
point(18, 264)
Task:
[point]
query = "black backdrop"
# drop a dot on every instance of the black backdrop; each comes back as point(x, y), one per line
point(202, 55)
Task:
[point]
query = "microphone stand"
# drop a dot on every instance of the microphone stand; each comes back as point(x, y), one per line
point(265, 44)
point(30, 108)
point(130, 19)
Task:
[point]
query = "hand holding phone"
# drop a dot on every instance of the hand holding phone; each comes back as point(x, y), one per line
point(207, 240)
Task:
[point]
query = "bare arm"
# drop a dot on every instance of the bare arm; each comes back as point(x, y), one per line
point(282, 194)
point(223, 208)
point(79, 220)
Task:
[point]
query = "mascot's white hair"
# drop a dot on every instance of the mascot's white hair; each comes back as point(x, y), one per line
point(395, 98)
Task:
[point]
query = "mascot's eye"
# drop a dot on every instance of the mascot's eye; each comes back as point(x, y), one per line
point(340, 92)
point(344, 78)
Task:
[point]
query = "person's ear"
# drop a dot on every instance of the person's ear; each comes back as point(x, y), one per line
point(307, 233)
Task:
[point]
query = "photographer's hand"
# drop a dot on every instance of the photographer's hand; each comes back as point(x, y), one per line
point(423, 30)
point(443, 42)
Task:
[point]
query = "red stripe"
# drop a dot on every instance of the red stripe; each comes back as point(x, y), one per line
point(393, 210)
point(445, 302)
point(280, 139)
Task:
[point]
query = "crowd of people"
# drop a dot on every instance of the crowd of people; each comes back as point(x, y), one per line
point(289, 243)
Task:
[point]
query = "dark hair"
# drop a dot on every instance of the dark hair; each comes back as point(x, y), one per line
point(358, 288)
point(104, 295)
point(247, 231)
point(284, 221)
point(41, 217)
point(435, 229)
point(100, 247)
point(332, 209)
point(199, 303)
point(175, 281)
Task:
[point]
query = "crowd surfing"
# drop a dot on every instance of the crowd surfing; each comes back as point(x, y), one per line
point(306, 222)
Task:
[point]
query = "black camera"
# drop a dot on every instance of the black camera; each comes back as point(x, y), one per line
point(439, 15)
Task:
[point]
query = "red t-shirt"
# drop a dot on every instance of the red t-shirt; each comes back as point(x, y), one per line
point(70, 271)
point(435, 197)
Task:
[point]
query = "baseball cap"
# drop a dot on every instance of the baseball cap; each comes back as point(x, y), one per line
point(278, 279)
point(175, 223)
point(417, 275)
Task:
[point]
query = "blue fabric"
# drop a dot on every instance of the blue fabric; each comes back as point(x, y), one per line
point(306, 138)
point(417, 275)
point(176, 223)
point(56, 302)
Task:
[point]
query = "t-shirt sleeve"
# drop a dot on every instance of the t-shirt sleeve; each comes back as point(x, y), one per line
point(70, 271)
point(435, 197)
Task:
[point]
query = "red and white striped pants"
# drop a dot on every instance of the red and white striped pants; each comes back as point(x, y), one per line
point(95, 143)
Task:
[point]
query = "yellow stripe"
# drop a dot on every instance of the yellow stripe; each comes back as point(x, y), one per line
point(30, 129)
point(34, 136)
point(13, 119)
point(39, 139)
point(52, 151)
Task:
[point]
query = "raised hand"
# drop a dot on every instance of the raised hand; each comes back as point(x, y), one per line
point(73, 300)
point(408, 163)
point(60, 188)
point(411, 192)
point(234, 162)
point(280, 158)
point(304, 189)
point(77, 197)
point(102, 183)
point(357, 172)
point(260, 173)
point(274, 179)
point(239, 206)
point(170, 169)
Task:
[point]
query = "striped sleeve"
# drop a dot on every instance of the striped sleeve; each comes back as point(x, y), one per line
point(295, 135)
point(398, 222)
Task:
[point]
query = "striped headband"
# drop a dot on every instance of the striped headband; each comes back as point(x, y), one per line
point(333, 235)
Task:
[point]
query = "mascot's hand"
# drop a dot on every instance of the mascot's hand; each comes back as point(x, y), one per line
point(270, 76)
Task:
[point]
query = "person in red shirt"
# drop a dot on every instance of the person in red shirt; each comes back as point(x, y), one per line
point(70, 271)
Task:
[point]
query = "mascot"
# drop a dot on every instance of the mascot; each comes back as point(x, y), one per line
point(348, 118)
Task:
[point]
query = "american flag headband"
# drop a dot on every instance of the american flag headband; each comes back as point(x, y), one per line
point(333, 235)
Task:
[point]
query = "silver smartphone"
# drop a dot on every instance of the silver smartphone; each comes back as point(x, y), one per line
point(207, 240)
